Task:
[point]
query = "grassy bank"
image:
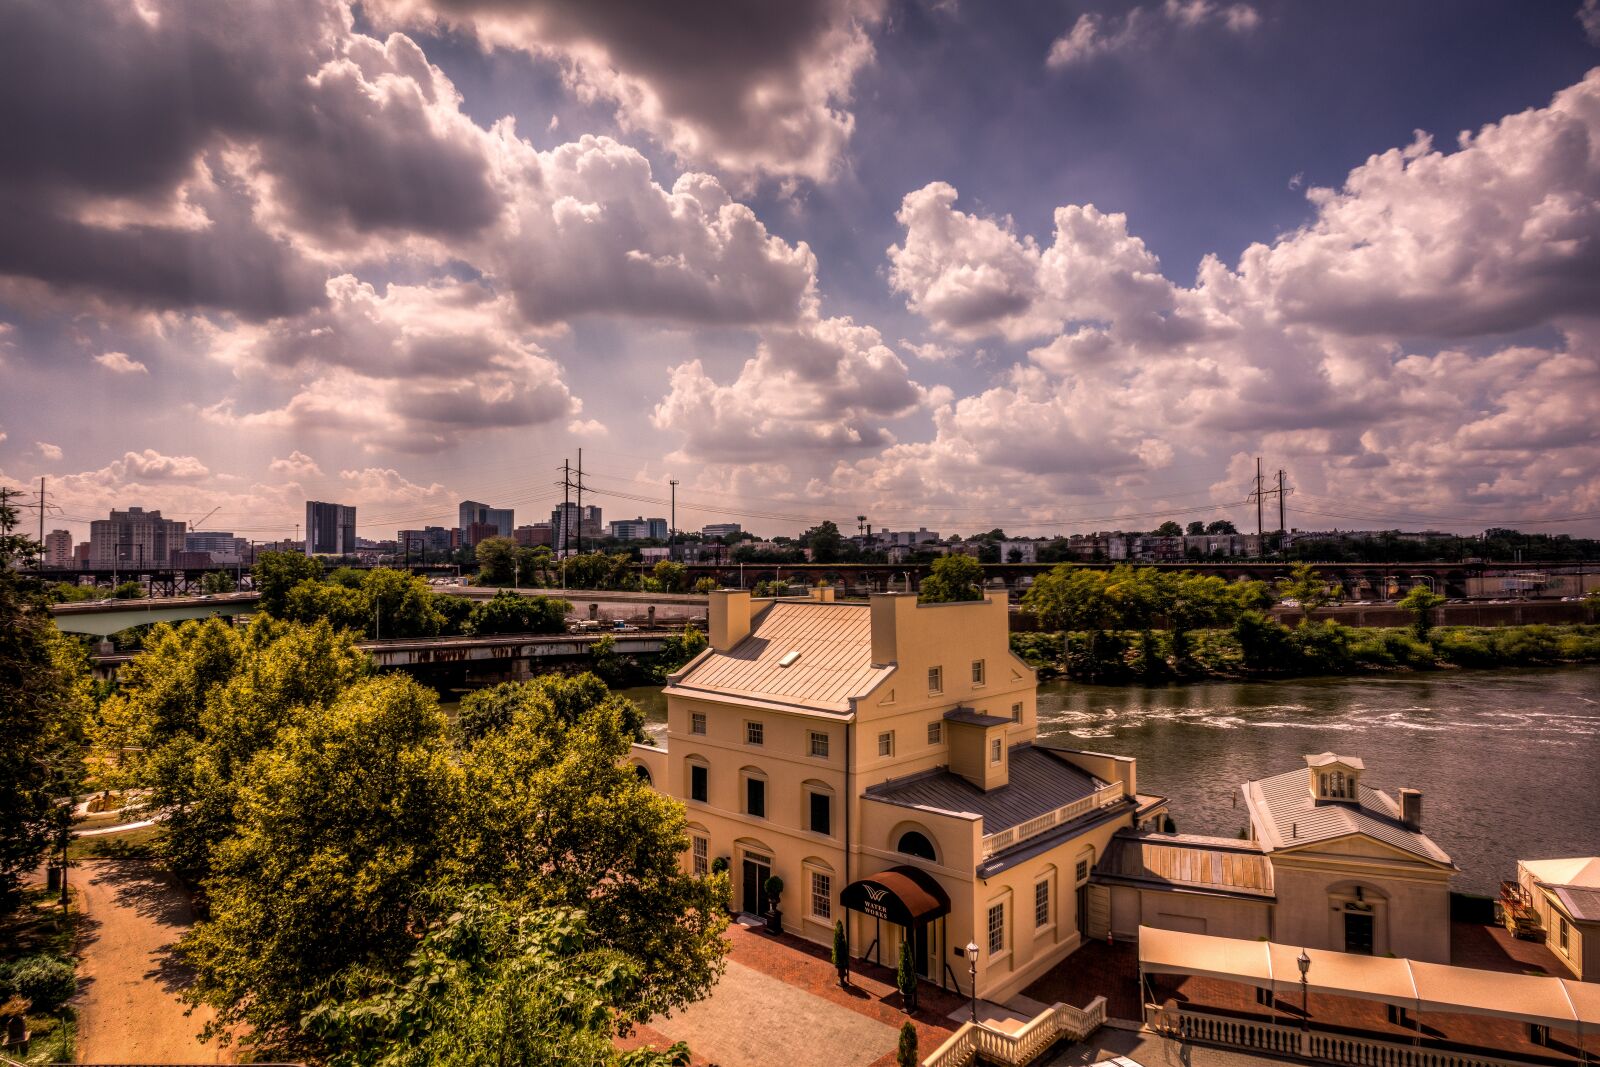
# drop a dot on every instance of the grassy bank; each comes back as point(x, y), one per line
point(37, 975)
point(1260, 647)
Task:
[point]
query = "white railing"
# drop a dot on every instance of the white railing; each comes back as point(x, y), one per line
point(1004, 839)
point(1016, 1050)
point(1316, 1045)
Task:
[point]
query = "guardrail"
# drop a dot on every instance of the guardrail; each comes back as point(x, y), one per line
point(1016, 1050)
point(1004, 839)
point(1276, 1040)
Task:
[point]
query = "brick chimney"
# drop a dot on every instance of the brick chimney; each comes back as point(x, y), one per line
point(1411, 809)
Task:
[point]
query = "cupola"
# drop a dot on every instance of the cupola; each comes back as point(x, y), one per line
point(1335, 778)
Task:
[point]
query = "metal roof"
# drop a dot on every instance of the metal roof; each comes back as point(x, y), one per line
point(1327, 759)
point(1187, 861)
point(974, 718)
point(834, 642)
point(1286, 815)
point(1582, 903)
point(1040, 782)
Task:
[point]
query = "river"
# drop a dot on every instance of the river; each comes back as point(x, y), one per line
point(1508, 761)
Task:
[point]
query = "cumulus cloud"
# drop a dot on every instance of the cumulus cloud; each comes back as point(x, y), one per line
point(297, 465)
point(763, 92)
point(823, 388)
point(1589, 18)
point(121, 363)
point(152, 466)
point(49, 452)
point(1094, 35)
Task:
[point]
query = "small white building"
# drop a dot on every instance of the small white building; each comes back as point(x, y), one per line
point(1566, 896)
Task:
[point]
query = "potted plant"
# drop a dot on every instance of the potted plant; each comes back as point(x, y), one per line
point(841, 952)
point(774, 887)
point(720, 865)
point(906, 977)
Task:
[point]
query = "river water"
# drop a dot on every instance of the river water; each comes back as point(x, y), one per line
point(1508, 761)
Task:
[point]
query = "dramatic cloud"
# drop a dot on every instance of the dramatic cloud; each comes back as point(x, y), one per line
point(121, 363)
point(1093, 35)
point(152, 466)
point(760, 91)
point(823, 388)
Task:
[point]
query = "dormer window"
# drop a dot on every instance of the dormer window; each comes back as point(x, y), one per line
point(1335, 777)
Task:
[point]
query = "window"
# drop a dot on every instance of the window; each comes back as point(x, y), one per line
point(1041, 903)
point(701, 846)
point(754, 733)
point(1565, 934)
point(821, 814)
point(1016, 712)
point(697, 782)
point(1080, 873)
point(935, 732)
point(996, 750)
point(886, 743)
point(935, 679)
point(819, 745)
point(913, 843)
point(997, 929)
point(697, 722)
point(821, 895)
point(755, 798)
point(977, 672)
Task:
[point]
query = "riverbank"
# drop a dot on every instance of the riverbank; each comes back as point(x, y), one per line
point(1259, 647)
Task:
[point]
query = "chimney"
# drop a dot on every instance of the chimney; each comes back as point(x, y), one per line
point(729, 617)
point(823, 594)
point(1411, 809)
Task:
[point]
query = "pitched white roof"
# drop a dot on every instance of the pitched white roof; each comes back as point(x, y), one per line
point(1575, 870)
point(1286, 815)
point(831, 650)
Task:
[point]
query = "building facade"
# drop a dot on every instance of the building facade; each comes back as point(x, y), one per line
point(58, 549)
point(222, 546)
point(330, 529)
point(714, 530)
point(881, 759)
point(640, 529)
point(1565, 894)
point(134, 538)
point(477, 521)
point(538, 533)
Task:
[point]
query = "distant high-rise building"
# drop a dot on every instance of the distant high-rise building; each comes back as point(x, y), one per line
point(570, 523)
point(330, 529)
point(721, 529)
point(472, 514)
point(639, 529)
point(58, 548)
point(222, 545)
point(539, 533)
point(431, 543)
point(134, 538)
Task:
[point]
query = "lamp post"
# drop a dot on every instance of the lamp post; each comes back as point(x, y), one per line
point(1304, 962)
point(972, 971)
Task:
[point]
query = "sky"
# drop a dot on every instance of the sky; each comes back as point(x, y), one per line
point(1053, 267)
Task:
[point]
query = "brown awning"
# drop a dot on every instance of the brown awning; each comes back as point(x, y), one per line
point(904, 895)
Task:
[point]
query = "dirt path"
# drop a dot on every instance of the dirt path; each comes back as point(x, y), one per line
point(128, 1008)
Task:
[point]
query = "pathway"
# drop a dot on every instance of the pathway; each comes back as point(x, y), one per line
point(128, 1008)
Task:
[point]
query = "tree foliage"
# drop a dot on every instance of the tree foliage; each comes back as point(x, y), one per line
point(954, 578)
point(673, 577)
point(1307, 588)
point(824, 541)
point(512, 613)
point(1421, 602)
point(46, 700)
point(275, 573)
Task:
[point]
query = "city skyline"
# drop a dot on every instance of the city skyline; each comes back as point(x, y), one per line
point(1071, 272)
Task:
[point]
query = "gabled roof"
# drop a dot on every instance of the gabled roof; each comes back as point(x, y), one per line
point(1573, 870)
point(1582, 904)
point(1328, 759)
point(834, 661)
point(1212, 865)
point(1286, 816)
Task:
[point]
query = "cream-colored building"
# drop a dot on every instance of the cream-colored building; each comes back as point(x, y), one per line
point(881, 759)
point(1330, 863)
point(1566, 896)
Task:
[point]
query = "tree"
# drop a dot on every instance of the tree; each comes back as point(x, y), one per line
point(512, 613)
point(344, 819)
point(1308, 588)
point(906, 1053)
point(841, 952)
point(45, 703)
point(401, 604)
point(341, 606)
point(275, 573)
point(705, 585)
point(555, 817)
point(217, 582)
point(1195, 528)
point(1220, 526)
point(956, 577)
point(1421, 602)
point(674, 577)
point(824, 542)
point(488, 986)
point(129, 590)
point(1169, 529)
point(905, 976)
point(678, 649)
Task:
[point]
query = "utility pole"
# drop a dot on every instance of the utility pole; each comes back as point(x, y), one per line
point(580, 501)
point(1258, 493)
point(672, 532)
point(41, 522)
point(566, 501)
point(1283, 527)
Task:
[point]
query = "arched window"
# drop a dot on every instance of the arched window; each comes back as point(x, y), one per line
point(1338, 783)
point(913, 843)
point(643, 772)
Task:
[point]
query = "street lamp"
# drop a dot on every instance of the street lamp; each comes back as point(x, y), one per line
point(972, 970)
point(1304, 962)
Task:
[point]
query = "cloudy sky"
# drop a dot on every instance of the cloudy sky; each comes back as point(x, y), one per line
point(1067, 270)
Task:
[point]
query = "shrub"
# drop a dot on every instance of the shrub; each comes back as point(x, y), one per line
point(48, 981)
point(1323, 649)
point(906, 1054)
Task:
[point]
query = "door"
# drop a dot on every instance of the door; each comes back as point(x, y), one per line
point(757, 870)
point(919, 948)
point(1358, 932)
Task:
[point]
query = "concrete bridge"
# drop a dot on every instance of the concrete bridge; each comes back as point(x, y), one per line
point(104, 618)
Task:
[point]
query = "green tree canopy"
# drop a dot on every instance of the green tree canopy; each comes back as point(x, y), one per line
point(954, 577)
point(824, 542)
point(1421, 602)
point(1169, 529)
point(275, 573)
point(1307, 588)
point(674, 577)
point(1220, 526)
point(512, 613)
point(1195, 528)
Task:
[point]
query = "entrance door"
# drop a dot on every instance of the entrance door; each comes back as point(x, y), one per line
point(919, 948)
point(1358, 932)
point(757, 869)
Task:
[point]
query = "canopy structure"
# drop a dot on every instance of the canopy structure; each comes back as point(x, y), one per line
point(903, 895)
point(1432, 987)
